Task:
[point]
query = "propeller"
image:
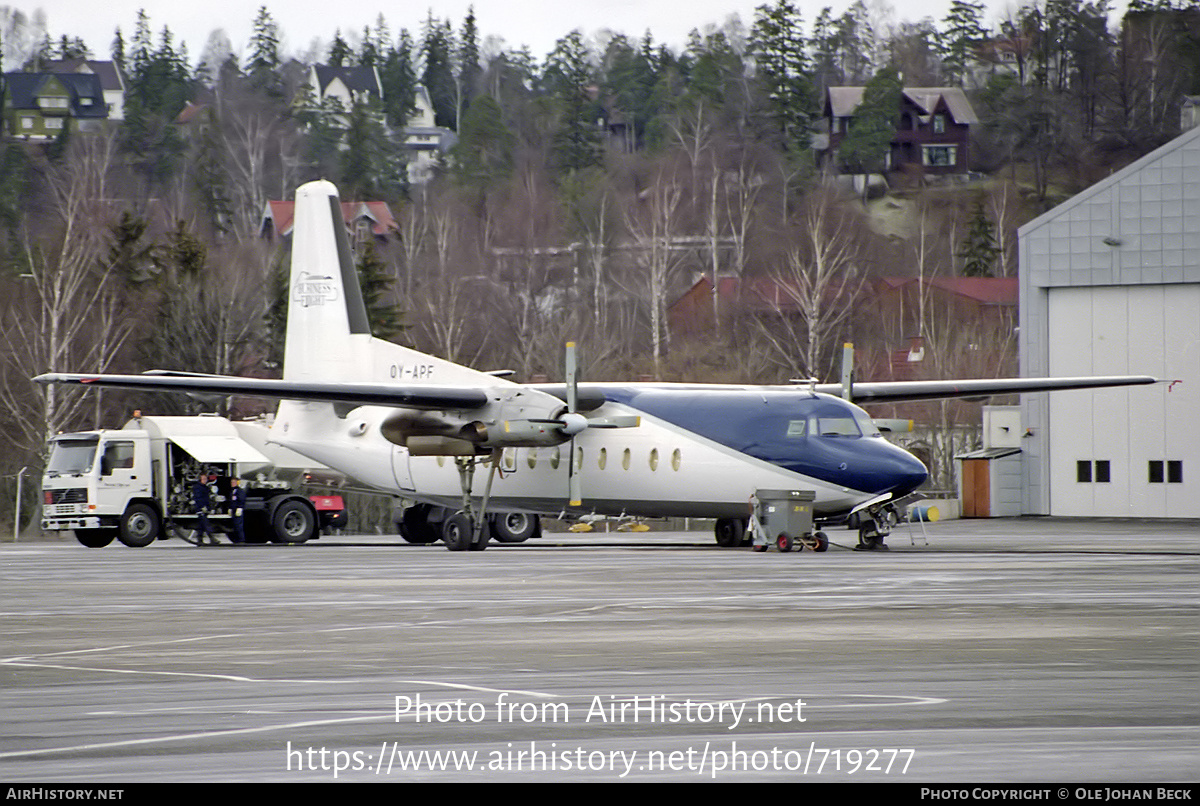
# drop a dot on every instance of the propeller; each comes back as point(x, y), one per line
point(572, 422)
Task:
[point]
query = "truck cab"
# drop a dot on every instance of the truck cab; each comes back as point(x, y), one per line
point(136, 484)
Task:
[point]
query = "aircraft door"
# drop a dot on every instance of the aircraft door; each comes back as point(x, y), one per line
point(400, 468)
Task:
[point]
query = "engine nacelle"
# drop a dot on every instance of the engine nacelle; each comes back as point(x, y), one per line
point(516, 434)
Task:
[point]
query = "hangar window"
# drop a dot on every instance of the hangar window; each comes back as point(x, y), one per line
point(1083, 471)
point(1098, 471)
point(1173, 474)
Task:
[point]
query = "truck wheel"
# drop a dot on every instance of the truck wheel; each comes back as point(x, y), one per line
point(139, 526)
point(293, 522)
point(514, 527)
point(95, 538)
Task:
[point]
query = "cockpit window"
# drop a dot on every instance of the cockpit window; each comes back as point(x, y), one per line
point(839, 426)
point(867, 425)
point(797, 428)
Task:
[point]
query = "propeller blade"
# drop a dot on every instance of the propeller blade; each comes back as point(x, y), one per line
point(574, 487)
point(572, 378)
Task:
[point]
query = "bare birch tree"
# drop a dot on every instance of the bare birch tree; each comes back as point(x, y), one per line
point(651, 219)
point(63, 314)
point(814, 293)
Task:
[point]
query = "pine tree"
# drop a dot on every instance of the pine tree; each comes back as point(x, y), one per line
point(385, 318)
point(483, 156)
point(777, 45)
point(339, 50)
point(873, 127)
point(961, 33)
point(437, 75)
point(567, 76)
point(262, 67)
point(979, 249)
point(399, 81)
point(469, 70)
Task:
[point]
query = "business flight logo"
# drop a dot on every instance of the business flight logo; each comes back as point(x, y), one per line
point(314, 289)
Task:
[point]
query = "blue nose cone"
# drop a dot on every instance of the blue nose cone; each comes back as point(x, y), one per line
point(908, 472)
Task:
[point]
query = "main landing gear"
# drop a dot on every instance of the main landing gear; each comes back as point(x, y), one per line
point(466, 529)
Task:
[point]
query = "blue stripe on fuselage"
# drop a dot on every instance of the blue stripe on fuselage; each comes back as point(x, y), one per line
point(765, 425)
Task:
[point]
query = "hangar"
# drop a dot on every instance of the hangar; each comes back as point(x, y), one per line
point(1110, 285)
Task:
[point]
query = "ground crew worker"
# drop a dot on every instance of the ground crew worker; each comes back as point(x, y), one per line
point(200, 504)
point(237, 509)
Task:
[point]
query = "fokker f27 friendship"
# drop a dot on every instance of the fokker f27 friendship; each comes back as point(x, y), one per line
point(420, 427)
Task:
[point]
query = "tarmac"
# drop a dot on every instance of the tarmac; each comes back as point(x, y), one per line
point(1006, 650)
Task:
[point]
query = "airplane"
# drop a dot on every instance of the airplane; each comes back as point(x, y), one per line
point(422, 428)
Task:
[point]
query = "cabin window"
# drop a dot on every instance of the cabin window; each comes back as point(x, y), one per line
point(510, 459)
point(532, 459)
point(578, 459)
point(654, 459)
point(602, 460)
point(625, 459)
point(676, 459)
point(554, 459)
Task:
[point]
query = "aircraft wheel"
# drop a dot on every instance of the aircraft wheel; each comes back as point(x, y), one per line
point(457, 532)
point(485, 535)
point(95, 538)
point(513, 527)
point(414, 526)
point(293, 522)
point(730, 532)
point(139, 526)
point(784, 542)
point(822, 542)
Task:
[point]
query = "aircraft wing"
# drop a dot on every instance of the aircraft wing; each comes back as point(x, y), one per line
point(899, 391)
point(435, 398)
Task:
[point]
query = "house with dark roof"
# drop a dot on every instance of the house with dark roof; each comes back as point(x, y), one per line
point(39, 106)
point(933, 127)
point(111, 81)
point(345, 85)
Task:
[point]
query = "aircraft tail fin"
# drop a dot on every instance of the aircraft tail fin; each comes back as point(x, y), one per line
point(328, 332)
point(325, 303)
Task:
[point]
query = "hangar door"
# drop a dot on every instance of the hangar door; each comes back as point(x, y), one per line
point(1126, 452)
